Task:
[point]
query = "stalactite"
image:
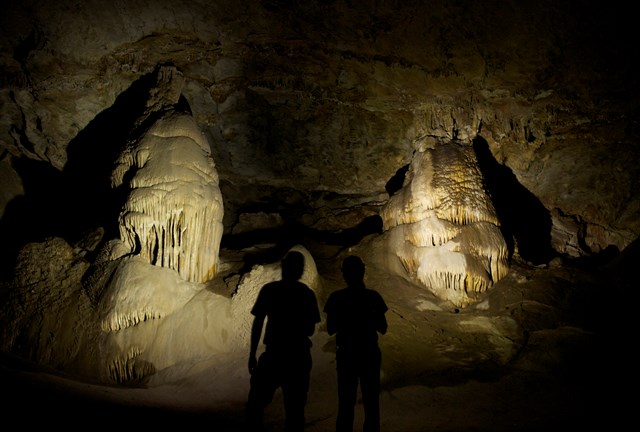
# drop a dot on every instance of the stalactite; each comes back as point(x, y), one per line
point(119, 321)
point(125, 369)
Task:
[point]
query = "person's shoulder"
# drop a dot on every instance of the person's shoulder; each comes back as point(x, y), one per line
point(339, 293)
point(308, 290)
point(376, 296)
point(335, 296)
point(271, 285)
point(373, 293)
point(302, 284)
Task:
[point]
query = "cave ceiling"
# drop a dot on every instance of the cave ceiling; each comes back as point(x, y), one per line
point(313, 109)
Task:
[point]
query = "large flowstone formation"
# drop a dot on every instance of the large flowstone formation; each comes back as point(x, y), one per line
point(137, 305)
point(443, 227)
point(173, 213)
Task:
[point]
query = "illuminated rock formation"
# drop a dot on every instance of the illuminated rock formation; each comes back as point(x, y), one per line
point(443, 227)
point(173, 213)
point(170, 230)
point(153, 322)
point(137, 310)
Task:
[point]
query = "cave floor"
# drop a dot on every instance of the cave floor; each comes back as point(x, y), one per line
point(515, 401)
point(573, 372)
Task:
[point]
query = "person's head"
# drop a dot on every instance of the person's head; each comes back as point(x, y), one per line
point(292, 266)
point(353, 271)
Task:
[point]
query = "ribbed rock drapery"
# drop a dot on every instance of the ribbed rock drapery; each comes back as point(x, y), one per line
point(443, 226)
point(173, 214)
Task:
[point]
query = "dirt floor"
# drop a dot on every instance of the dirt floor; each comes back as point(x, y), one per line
point(512, 402)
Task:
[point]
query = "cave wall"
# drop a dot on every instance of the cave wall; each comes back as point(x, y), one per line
point(311, 109)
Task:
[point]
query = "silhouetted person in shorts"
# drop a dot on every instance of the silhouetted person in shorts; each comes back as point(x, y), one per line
point(291, 310)
point(356, 315)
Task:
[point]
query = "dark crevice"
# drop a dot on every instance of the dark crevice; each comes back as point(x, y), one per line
point(34, 41)
point(525, 222)
point(35, 215)
point(91, 155)
point(396, 182)
point(292, 233)
point(277, 241)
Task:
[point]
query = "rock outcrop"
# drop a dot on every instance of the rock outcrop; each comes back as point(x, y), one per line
point(330, 99)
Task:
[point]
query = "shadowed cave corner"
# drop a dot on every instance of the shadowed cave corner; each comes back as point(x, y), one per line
point(525, 222)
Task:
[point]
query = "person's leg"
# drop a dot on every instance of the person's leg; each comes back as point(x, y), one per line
point(347, 391)
point(295, 387)
point(263, 384)
point(370, 387)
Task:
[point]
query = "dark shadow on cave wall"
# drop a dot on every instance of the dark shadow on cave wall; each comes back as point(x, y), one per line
point(34, 215)
point(525, 222)
point(90, 160)
point(293, 232)
point(396, 182)
point(80, 198)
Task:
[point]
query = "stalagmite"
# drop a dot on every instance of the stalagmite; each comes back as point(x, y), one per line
point(443, 226)
point(148, 288)
point(173, 213)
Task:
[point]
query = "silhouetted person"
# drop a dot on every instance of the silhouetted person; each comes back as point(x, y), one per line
point(356, 315)
point(291, 310)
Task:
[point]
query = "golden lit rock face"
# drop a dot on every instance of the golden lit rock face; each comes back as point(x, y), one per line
point(173, 214)
point(443, 226)
point(294, 97)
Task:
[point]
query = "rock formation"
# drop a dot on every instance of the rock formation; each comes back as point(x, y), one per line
point(173, 211)
point(141, 283)
point(443, 227)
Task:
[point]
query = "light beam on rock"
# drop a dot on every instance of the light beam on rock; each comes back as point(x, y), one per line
point(443, 226)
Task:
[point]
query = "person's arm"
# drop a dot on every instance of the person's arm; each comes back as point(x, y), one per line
point(381, 325)
point(331, 321)
point(314, 316)
point(381, 320)
point(331, 325)
point(256, 332)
